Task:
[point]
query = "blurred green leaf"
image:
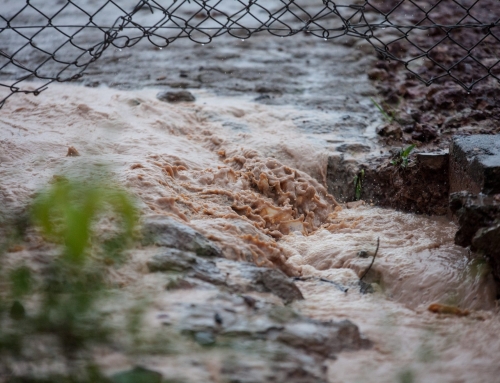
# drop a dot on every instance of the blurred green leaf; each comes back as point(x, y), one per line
point(137, 375)
point(66, 211)
point(73, 283)
point(406, 376)
point(21, 281)
point(17, 311)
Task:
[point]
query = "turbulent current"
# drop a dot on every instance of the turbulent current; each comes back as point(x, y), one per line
point(249, 179)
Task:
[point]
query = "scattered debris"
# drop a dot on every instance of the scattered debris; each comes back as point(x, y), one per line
point(373, 260)
point(362, 254)
point(72, 152)
point(336, 284)
point(367, 288)
point(438, 308)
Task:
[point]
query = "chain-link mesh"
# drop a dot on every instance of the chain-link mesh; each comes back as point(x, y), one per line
point(58, 40)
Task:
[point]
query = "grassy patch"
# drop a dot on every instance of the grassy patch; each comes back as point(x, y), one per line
point(403, 157)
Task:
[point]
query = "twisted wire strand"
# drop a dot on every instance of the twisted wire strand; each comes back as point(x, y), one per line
point(418, 33)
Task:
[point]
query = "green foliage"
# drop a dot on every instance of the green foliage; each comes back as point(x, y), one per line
point(21, 281)
point(358, 184)
point(387, 116)
point(69, 289)
point(406, 376)
point(66, 211)
point(402, 158)
point(91, 374)
point(137, 375)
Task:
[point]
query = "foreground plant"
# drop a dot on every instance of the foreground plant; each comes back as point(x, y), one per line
point(58, 307)
point(358, 184)
point(402, 157)
point(389, 117)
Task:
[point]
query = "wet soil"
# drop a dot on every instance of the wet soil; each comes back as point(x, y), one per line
point(430, 116)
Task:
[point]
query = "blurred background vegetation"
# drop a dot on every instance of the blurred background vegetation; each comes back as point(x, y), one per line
point(56, 308)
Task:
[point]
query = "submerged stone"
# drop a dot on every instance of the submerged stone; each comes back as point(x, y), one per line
point(172, 260)
point(173, 97)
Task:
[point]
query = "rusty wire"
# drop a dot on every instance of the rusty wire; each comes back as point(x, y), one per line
point(436, 40)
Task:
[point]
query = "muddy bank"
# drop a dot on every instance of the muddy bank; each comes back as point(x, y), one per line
point(394, 181)
point(430, 116)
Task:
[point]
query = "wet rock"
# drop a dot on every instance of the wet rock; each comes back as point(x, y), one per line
point(204, 338)
point(377, 74)
point(363, 254)
point(433, 161)
point(354, 148)
point(486, 242)
point(282, 365)
point(271, 323)
point(165, 231)
point(479, 227)
point(243, 277)
point(172, 260)
point(392, 131)
point(240, 277)
point(207, 271)
point(174, 97)
point(266, 89)
point(475, 164)
point(262, 97)
point(405, 119)
point(424, 133)
point(295, 347)
point(324, 338)
point(366, 288)
point(276, 282)
point(473, 212)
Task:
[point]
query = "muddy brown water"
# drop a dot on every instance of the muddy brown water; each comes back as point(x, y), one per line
point(170, 156)
point(194, 160)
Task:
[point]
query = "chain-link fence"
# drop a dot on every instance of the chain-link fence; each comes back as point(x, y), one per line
point(437, 41)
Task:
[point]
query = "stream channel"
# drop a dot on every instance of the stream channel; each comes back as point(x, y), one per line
point(245, 165)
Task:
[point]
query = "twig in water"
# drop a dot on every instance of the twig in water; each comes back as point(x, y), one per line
point(336, 284)
point(373, 260)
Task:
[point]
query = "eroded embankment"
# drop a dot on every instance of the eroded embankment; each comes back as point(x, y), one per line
point(271, 211)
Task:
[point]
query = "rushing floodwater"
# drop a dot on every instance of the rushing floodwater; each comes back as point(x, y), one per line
point(247, 177)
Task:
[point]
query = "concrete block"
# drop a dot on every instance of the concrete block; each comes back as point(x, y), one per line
point(475, 164)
